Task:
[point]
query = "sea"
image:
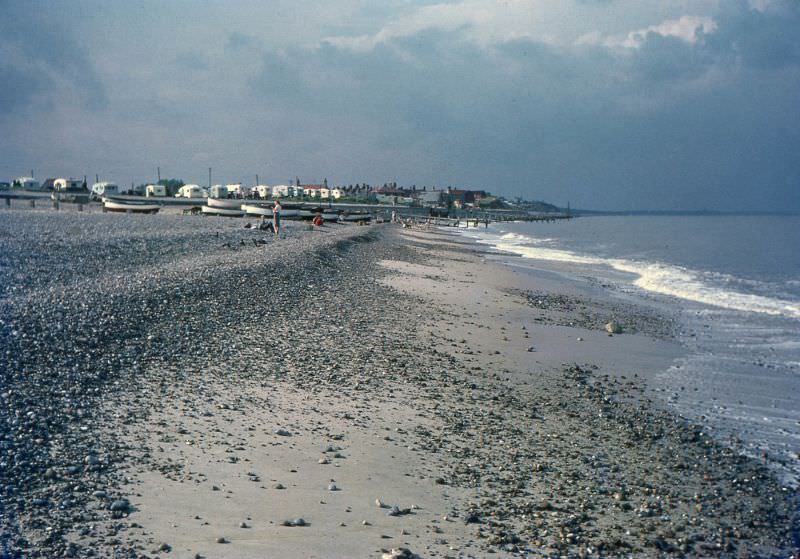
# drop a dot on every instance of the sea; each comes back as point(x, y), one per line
point(732, 283)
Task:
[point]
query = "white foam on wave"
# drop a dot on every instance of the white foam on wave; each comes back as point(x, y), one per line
point(664, 279)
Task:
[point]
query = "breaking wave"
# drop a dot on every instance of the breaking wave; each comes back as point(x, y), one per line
point(656, 277)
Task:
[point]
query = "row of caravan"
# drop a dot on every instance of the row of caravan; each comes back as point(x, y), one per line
point(106, 189)
point(238, 190)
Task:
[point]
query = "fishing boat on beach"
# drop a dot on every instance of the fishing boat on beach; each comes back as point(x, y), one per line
point(223, 212)
point(290, 211)
point(257, 210)
point(355, 216)
point(70, 197)
point(225, 203)
point(110, 205)
point(330, 215)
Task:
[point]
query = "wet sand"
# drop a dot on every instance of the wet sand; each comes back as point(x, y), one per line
point(344, 393)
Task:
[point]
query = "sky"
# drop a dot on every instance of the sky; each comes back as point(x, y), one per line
point(605, 104)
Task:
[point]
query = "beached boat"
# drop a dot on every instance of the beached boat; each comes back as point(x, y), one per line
point(110, 205)
point(225, 212)
point(290, 213)
point(225, 203)
point(330, 215)
point(355, 216)
point(253, 209)
point(70, 197)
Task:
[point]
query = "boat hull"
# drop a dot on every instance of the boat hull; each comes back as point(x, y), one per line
point(120, 207)
point(263, 211)
point(224, 212)
point(224, 203)
point(355, 217)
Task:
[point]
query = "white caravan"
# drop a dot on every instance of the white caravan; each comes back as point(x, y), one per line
point(155, 190)
point(190, 191)
point(28, 183)
point(218, 191)
point(101, 189)
point(63, 185)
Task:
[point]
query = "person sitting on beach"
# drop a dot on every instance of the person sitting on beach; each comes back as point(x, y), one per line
point(317, 220)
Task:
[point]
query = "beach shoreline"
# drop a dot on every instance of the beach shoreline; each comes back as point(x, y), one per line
point(392, 388)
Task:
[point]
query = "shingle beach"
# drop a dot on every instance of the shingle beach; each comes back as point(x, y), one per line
point(183, 386)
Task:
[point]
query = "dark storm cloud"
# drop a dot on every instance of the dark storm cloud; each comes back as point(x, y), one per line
point(670, 123)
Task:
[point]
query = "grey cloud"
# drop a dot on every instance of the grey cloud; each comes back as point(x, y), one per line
point(18, 88)
point(51, 52)
point(623, 131)
point(237, 40)
point(192, 61)
point(671, 124)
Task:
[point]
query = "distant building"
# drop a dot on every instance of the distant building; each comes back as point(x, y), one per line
point(218, 191)
point(100, 189)
point(238, 190)
point(191, 191)
point(315, 190)
point(430, 197)
point(64, 185)
point(283, 190)
point(155, 190)
point(28, 183)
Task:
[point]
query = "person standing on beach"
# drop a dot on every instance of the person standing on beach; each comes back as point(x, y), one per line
point(276, 218)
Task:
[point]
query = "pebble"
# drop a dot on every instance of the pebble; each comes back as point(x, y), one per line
point(105, 352)
point(120, 505)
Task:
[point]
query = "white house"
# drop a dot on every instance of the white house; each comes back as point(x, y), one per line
point(62, 184)
point(262, 190)
point(430, 197)
point(28, 183)
point(154, 190)
point(312, 191)
point(336, 193)
point(100, 189)
point(190, 191)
